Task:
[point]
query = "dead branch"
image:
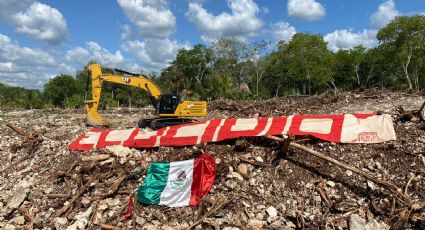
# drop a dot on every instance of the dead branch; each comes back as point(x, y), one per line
point(17, 130)
point(110, 227)
point(255, 163)
point(57, 195)
point(77, 195)
point(408, 183)
point(99, 157)
point(324, 196)
point(114, 187)
point(219, 204)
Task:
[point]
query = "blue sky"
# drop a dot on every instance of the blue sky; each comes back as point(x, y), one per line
point(40, 39)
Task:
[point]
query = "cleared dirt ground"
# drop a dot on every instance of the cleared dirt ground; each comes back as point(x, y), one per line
point(45, 186)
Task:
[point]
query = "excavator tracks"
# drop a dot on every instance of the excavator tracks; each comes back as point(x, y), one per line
point(158, 123)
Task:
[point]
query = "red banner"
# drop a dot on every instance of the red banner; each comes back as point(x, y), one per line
point(344, 128)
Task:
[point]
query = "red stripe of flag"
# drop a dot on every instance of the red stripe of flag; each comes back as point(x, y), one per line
point(203, 178)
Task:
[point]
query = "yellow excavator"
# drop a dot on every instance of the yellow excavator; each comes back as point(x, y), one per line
point(168, 108)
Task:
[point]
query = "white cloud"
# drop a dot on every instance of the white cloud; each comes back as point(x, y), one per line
point(346, 39)
point(283, 31)
point(241, 23)
point(103, 55)
point(127, 32)
point(79, 56)
point(23, 66)
point(6, 66)
point(35, 19)
point(386, 12)
point(308, 10)
point(154, 54)
point(32, 67)
point(152, 17)
point(10, 52)
point(10, 7)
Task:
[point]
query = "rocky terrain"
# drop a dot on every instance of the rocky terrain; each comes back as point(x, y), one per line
point(45, 186)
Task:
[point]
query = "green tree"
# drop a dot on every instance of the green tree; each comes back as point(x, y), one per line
point(404, 39)
point(230, 60)
point(59, 90)
point(308, 57)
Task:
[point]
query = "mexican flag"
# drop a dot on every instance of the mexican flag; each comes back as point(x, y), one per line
point(177, 184)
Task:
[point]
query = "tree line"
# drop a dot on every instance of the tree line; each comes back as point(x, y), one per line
point(235, 69)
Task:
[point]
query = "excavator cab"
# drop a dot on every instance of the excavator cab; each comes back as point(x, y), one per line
point(166, 104)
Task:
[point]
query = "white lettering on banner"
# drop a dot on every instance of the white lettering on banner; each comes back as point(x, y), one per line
point(196, 130)
point(190, 131)
point(287, 124)
point(143, 134)
point(244, 124)
point(91, 139)
point(267, 128)
point(119, 135)
point(198, 141)
point(158, 138)
point(218, 129)
point(322, 126)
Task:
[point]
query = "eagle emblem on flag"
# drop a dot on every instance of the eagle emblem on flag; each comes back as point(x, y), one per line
point(180, 180)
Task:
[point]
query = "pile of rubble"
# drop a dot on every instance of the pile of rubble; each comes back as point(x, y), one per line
point(258, 186)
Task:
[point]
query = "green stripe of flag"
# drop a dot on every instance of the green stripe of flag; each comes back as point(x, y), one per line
point(154, 184)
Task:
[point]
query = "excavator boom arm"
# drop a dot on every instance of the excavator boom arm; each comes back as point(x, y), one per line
point(97, 79)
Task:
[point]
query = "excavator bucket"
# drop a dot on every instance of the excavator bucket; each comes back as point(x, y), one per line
point(93, 118)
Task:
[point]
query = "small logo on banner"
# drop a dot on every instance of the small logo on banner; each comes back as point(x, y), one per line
point(179, 181)
point(367, 137)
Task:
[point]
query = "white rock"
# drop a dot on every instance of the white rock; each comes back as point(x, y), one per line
point(330, 183)
point(230, 228)
point(290, 225)
point(246, 204)
point(82, 220)
point(357, 223)
point(19, 220)
point(252, 181)
point(243, 168)
point(60, 222)
point(104, 204)
point(235, 175)
point(371, 185)
point(258, 158)
point(277, 224)
point(255, 224)
point(9, 227)
point(271, 211)
point(375, 225)
point(19, 195)
point(120, 151)
point(348, 172)
point(259, 216)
